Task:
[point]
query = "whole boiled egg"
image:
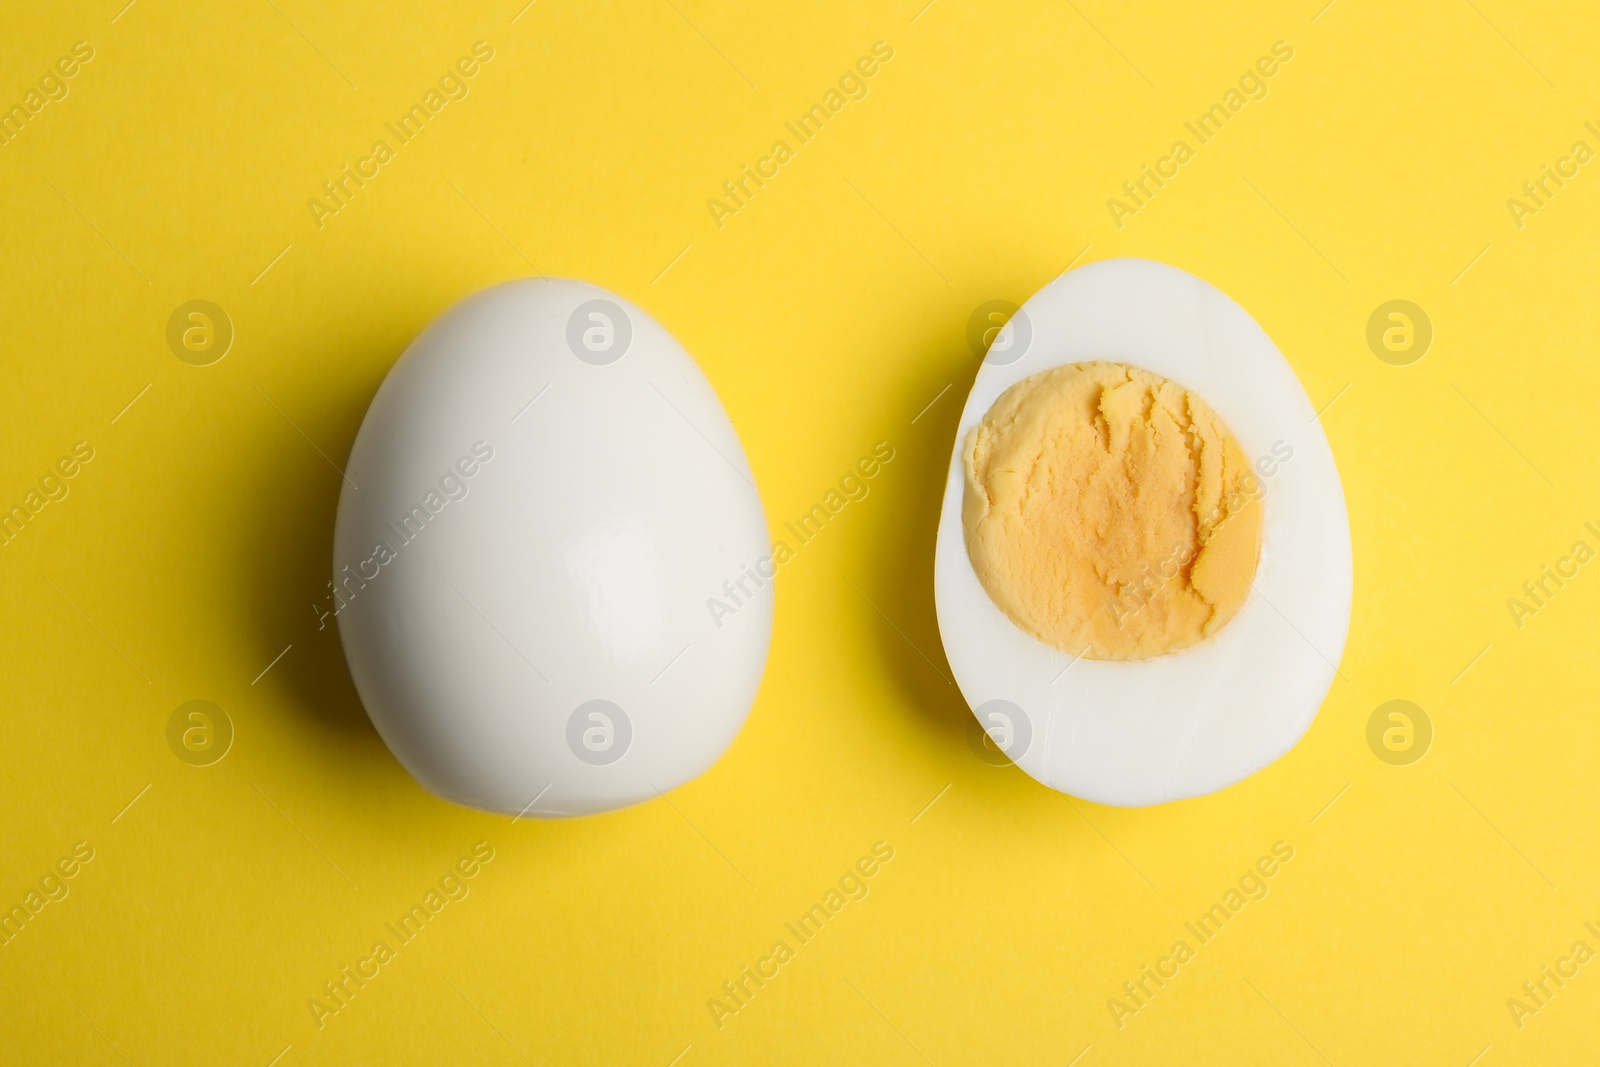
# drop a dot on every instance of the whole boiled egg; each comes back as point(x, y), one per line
point(543, 498)
point(1143, 570)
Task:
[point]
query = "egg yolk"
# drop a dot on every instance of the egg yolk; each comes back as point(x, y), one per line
point(1110, 512)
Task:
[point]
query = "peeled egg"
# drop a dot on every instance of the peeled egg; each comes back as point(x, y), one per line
point(1137, 731)
point(541, 501)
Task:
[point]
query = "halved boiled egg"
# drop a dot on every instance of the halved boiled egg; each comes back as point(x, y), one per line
point(1143, 572)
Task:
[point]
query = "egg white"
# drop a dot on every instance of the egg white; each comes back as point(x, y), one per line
point(1141, 732)
point(572, 578)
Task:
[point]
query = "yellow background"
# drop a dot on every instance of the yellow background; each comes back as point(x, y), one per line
point(828, 313)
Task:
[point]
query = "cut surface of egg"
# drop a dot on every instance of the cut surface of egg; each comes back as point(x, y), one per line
point(1121, 720)
point(543, 497)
